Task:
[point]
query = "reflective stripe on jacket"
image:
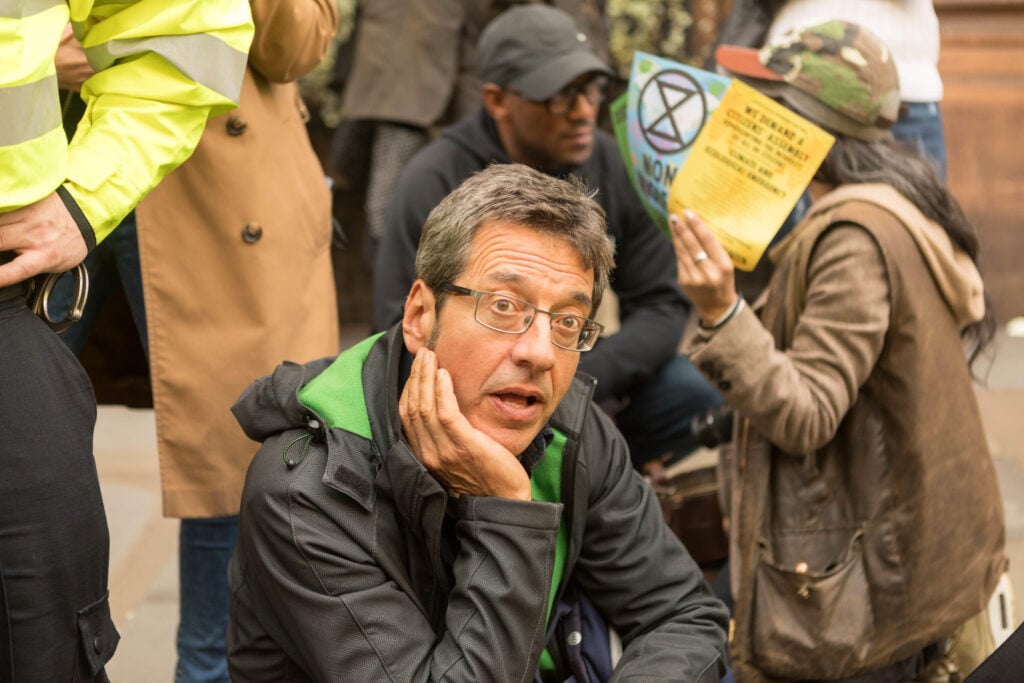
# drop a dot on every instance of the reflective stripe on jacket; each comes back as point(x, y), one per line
point(162, 70)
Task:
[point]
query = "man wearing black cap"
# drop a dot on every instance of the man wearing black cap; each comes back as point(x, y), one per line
point(543, 86)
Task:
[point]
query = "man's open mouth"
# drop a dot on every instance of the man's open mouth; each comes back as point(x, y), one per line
point(518, 400)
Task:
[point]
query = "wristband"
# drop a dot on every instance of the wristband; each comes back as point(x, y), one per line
point(733, 310)
point(81, 221)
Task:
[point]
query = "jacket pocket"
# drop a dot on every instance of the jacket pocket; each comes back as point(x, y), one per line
point(809, 624)
point(97, 638)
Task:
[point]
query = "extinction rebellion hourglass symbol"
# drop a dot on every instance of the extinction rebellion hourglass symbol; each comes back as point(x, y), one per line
point(671, 111)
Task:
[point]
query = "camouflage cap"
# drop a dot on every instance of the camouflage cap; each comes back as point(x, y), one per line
point(836, 73)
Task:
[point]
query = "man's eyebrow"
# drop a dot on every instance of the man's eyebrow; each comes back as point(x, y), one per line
point(583, 298)
point(510, 277)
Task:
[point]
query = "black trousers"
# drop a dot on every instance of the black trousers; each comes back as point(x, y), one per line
point(54, 545)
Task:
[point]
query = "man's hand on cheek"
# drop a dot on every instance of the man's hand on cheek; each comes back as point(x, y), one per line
point(462, 457)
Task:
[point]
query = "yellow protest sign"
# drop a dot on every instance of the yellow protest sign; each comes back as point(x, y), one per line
point(747, 169)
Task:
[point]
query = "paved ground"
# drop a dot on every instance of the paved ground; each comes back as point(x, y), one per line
point(143, 574)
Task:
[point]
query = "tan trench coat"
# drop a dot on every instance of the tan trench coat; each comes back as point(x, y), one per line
point(236, 266)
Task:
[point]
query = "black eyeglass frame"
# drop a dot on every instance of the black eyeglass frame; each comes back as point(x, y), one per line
point(561, 103)
point(590, 330)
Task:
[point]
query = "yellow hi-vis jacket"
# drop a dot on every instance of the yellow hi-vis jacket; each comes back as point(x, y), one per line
point(162, 68)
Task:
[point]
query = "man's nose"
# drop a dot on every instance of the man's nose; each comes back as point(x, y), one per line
point(534, 346)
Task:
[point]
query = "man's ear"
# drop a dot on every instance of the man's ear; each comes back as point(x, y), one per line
point(496, 101)
point(419, 317)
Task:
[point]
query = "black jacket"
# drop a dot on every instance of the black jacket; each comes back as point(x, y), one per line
point(652, 308)
point(341, 573)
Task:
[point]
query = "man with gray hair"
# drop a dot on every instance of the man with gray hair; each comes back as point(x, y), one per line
point(443, 502)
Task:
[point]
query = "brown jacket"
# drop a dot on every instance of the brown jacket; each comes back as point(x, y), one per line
point(865, 516)
point(236, 263)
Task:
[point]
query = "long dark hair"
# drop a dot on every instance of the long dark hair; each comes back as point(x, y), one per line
point(902, 166)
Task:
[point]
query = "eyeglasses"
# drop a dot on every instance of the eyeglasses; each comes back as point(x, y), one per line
point(510, 315)
point(562, 103)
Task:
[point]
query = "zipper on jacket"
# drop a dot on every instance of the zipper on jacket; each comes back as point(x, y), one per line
point(569, 458)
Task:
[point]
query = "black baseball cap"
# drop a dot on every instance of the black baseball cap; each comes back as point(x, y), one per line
point(537, 50)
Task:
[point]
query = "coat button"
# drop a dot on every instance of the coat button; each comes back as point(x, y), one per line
point(97, 645)
point(252, 233)
point(236, 125)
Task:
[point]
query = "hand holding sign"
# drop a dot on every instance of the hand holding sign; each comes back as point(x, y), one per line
point(709, 143)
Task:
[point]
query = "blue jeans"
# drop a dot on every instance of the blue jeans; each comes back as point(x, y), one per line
point(657, 420)
point(922, 124)
point(205, 546)
point(112, 264)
